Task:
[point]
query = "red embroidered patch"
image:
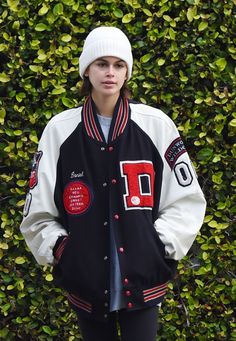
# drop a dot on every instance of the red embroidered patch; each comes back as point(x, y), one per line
point(139, 183)
point(34, 172)
point(77, 197)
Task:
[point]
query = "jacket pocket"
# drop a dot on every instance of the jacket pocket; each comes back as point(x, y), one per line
point(58, 252)
point(59, 247)
point(169, 265)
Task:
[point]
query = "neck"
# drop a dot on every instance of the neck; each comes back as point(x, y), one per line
point(105, 104)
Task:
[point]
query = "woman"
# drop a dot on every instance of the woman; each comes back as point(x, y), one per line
point(114, 202)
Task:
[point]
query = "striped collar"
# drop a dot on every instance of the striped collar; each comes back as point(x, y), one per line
point(118, 124)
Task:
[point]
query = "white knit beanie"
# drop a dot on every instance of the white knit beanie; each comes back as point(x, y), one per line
point(103, 42)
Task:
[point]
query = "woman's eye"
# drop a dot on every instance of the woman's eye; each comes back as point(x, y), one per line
point(120, 66)
point(101, 64)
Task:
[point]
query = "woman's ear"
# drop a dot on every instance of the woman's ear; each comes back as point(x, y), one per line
point(86, 73)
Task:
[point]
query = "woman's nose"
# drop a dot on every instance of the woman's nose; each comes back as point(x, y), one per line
point(110, 70)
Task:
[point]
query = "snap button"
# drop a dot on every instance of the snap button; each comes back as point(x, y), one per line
point(128, 293)
point(106, 292)
point(116, 216)
point(102, 149)
point(105, 223)
point(113, 181)
point(121, 249)
point(104, 184)
point(126, 281)
point(110, 149)
point(130, 305)
point(105, 258)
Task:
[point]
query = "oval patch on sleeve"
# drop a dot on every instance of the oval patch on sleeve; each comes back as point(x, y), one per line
point(77, 197)
point(175, 149)
point(34, 171)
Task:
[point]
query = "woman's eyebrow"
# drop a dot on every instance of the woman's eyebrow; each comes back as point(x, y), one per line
point(106, 61)
point(101, 60)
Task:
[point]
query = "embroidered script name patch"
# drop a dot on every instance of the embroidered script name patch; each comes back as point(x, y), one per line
point(77, 197)
point(175, 149)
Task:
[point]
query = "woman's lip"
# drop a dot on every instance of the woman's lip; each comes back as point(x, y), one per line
point(108, 83)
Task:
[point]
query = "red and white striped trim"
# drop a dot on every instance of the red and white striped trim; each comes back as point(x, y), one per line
point(93, 123)
point(121, 119)
point(86, 121)
point(89, 121)
point(155, 292)
point(78, 302)
point(125, 117)
point(60, 248)
point(122, 115)
point(118, 120)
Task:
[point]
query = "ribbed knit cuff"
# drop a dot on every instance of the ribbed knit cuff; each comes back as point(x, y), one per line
point(59, 247)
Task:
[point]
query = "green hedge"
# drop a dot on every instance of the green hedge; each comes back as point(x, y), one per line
point(184, 64)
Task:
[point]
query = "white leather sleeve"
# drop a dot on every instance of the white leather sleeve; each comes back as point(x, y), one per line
point(182, 203)
point(40, 226)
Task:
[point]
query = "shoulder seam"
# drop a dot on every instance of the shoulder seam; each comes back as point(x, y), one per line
point(60, 117)
point(158, 114)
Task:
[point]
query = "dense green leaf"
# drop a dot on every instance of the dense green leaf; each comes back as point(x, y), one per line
point(203, 25)
point(41, 27)
point(118, 13)
point(58, 9)
point(4, 78)
point(145, 58)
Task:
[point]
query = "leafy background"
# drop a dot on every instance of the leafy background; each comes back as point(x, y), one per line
point(184, 64)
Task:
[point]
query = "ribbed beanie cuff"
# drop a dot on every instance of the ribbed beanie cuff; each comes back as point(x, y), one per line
point(103, 42)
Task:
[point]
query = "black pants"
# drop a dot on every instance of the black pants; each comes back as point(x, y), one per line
point(139, 325)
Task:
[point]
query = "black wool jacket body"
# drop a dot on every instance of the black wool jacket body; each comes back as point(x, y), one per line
point(141, 181)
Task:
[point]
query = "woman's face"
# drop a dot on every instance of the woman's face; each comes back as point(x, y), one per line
point(107, 76)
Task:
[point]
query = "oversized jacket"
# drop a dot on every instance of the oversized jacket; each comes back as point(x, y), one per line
point(141, 181)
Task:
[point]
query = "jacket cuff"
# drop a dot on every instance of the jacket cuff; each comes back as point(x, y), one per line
point(59, 247)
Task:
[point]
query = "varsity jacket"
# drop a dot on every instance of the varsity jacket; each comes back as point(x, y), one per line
point(141, 181)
